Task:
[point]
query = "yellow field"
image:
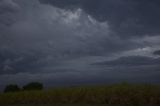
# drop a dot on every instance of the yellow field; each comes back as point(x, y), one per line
point(113, 95)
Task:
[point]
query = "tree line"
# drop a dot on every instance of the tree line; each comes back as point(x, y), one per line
point(27, 87)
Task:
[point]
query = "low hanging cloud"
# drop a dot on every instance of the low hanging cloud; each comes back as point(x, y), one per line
point(132, 61)
point(157, 52)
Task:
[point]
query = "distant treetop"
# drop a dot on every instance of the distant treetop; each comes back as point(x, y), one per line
point(33, 86)
point(11, 88)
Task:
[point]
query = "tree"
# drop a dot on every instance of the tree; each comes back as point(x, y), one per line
point(33, 86)
point(11, 88)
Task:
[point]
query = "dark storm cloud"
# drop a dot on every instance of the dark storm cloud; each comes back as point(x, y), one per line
point(7, 11)
point(127, 17)
point(12, 63)
point(132, 61)
point(157, 52)
point(136, 68)
point(57, 40)
point(35, 34)
point(41, 28)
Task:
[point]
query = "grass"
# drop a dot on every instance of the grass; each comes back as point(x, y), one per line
point(112, 95)
point(60, 105)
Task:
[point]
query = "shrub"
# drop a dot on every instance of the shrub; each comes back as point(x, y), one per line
point(33, 86)
point(11, 88)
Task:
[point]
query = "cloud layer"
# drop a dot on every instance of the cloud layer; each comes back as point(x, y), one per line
point(126, 17)
point(60, 41)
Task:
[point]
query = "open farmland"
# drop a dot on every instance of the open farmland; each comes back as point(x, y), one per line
point(112, 95)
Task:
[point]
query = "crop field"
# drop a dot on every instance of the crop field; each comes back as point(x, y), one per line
point(60, 105)
point(111, 95)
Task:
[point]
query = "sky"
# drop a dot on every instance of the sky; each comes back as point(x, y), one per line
point(79, 42)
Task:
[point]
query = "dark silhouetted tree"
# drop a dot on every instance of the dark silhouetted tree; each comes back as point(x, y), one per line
point(33, 86)
point(11, 88)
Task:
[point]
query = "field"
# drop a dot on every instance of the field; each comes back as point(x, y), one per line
point(111, 95)
point(60, 105)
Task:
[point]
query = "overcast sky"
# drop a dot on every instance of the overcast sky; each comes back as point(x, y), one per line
point(72, 42)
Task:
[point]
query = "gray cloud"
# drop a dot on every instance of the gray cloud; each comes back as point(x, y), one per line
point(47, 39)
point(157, 52)
point(8, 9)
point(132, 61)
point(127, 17)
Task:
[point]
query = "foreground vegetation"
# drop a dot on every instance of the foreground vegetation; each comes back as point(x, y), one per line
point(60, 105)
point(28, 87)
point(113, 95)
